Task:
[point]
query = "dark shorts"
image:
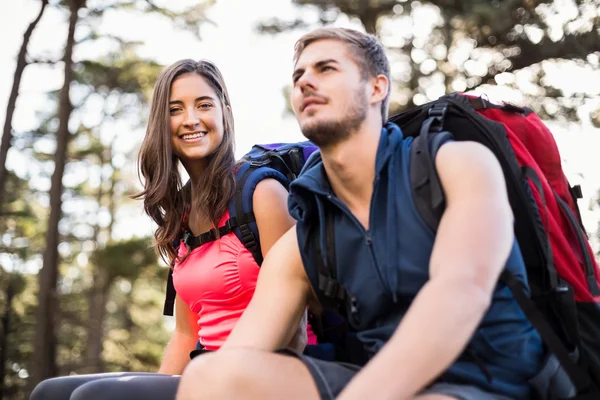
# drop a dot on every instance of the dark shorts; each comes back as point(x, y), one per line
point(332, 377)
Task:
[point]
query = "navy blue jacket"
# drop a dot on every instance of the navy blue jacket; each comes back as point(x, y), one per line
point(385, 267)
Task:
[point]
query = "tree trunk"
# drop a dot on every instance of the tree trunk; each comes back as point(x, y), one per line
point(12, 100)
point(95, 326)
point(368, 16)
point(44, 362)
point(98, 296)
point(10, 293)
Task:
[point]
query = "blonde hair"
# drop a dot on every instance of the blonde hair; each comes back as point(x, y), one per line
point(364, 48)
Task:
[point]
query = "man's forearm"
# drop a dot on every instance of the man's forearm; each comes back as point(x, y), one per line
point(270, 321)
point(430, 337)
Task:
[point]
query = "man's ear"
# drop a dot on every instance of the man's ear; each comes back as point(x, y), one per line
point(381, 87)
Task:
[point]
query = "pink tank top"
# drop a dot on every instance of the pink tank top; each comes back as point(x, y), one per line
point(217, 281)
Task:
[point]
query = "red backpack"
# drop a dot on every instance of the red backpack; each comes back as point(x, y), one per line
point(563, 274)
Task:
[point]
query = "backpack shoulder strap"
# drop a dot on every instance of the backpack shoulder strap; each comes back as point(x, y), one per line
point(426, 187)
point(170, 288)
point(580, 379)
point(429, 201)
point(241, 220)
point(241, 206)
point(170, 296)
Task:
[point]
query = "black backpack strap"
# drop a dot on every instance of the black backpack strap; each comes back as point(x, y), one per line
point(579, 378)
point(588, 264)
point(170, 296)
point(576, 193)
point(332, 293)
point(328, 284)
point(193, 242)
point(426, 187)
point(170, 288)
point(529, 173)
point(248, 176)
point(249, 240)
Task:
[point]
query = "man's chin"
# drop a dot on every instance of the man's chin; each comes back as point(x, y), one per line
point(315, 125)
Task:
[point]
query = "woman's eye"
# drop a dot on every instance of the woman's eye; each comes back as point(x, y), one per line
point(173, 110)
point(205, 105)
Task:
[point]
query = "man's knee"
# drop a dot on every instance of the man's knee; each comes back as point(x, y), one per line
point(225, 371)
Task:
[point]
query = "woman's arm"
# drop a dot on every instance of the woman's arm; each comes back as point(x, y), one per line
point(183, 340)
point(271, 212)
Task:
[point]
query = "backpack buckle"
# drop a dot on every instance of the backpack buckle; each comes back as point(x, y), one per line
point(185, 238)
point(435, 122)
point(331, 288)
point(438, 110)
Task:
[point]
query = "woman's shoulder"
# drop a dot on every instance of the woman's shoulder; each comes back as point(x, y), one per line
point(268, 192)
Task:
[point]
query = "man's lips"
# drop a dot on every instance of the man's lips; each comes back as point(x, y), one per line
point(311, 101)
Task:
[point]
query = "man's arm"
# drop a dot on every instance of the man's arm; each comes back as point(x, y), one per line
point(274, 313)
point(472, 245)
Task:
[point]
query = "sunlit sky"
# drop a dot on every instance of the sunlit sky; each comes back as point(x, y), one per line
point(256, 68)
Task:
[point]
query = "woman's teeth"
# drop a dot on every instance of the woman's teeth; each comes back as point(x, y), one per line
point(193, 136)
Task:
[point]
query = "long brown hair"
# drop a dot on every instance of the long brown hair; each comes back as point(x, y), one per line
point(164, 195)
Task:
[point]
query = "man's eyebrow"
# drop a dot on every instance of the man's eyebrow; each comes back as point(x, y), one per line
point(318, 64)
point(297, 72)
point(327, 61)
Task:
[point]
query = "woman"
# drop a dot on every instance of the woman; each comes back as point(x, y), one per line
point(191, 123)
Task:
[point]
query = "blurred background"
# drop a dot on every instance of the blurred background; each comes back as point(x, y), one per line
point(80, 289)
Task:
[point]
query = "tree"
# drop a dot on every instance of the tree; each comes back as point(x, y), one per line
point(21, 241)
point(439, 46)
point(119, 74)
point(45, 339)
point(14, 284)
point(12, 99)
point(115, 78)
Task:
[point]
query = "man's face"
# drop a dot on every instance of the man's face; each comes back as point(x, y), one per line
point(329, 96)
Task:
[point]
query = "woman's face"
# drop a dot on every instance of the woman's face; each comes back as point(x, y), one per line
point(196, 117)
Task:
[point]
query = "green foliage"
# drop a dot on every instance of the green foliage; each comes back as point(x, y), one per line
point(118, 282)
point(116, 73)
point(19, 348)
point(124, 259)
point(441, 46)
point(136, 337)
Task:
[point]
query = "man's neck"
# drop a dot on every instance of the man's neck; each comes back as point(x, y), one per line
point(350, 166)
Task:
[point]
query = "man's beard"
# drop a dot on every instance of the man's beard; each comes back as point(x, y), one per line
point(330, 132)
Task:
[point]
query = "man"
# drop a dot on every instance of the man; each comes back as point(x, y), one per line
point(427, 310)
